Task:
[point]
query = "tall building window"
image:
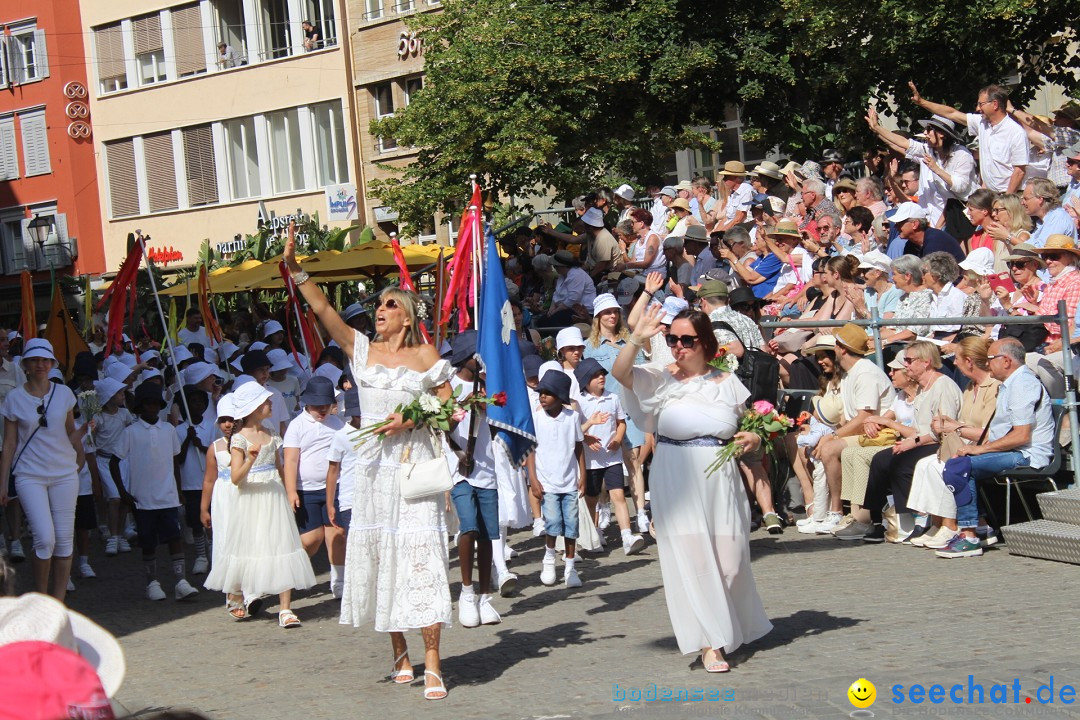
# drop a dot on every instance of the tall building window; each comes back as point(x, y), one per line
point(200, 166)
point(160, 172)
point(9, 152)
point(123, 187)
point(383, 96)
point(373, 9)
point(243, 157)
point(413, 86)
point(276, 29)
point(149, 50)
point(188, 41)
point(26, 57)
point(331, 164)
point(286, 155)
point(321, 15)
point(35, 139)
point(231, 28)
point(111, 68)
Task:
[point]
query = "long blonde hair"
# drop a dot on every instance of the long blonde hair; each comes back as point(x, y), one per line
point(622, 332)
point(1019, 218)
point(412, 304)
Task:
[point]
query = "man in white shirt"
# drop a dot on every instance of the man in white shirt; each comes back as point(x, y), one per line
point(660, 210)
point(574, 292)
point(193, 330)
point(740, 195)
point(227, 57)
point(1004, 148)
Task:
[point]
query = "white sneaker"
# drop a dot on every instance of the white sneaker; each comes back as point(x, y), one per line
point(123, 545)
point(605, 517)
point(547, 573)
point(538, 527)
point(337, 589)
point(488, 614)
point(570, 577)
point(183, 590)
point(15, 552)
point(830, 523)
point(71, 586)
point(112, 545)
point(86, 571)
point(468, 612)
point(642, 523)
point(130, 533)
point(200, 566)
point(509, 552)
point(507, 583)
point(154, 591)
point(808, 520)
point(941, 539)
point(633, 545)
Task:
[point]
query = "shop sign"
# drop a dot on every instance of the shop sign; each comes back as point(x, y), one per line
point(409, 45)
point(164, 256)
point(341, 202)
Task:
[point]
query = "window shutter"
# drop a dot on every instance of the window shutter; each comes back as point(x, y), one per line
point(9, 154)
point(26, 252)
point(123, 190)
point(200, 166)
point(110, 50)
point(147, 31)
point(41, 56)
point(188, 39)
point(5, 62)
point(160, 172)
point(35, 143)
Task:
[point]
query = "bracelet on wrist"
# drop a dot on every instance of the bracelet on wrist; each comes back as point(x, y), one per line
point(299, 277)
point(635, 341)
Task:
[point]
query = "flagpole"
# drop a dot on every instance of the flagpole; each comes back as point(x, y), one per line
point(439, 295)
point(165, 327)
point(476, 263)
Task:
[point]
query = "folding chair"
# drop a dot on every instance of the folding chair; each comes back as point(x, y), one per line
point(1014, 478)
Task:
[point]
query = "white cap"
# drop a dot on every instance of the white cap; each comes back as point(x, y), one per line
point(55, 374)
point(568, 337)
point(875, 260)
point(107, 388)
point(150, 355)
point(626, 192)
point(279, 360)
point(270, 327)
point(257, 345)
point(149, 373)
point(226, 407)
point(329, 371)
point(673, 306)
point(38, 348)
point(226, 350)
point(908, 211)
point(593, 218)
point(604, 301)
point(980, 261)
point(181, 354)
point(119, 372)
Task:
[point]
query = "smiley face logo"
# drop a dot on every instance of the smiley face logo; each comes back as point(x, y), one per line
point(862, 693)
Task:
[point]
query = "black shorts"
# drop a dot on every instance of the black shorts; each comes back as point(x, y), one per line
point(193, 511)
point(85, 513)
point(157, 527)
point(610, 477)
point(312, 514)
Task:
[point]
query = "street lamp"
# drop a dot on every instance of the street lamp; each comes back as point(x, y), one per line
point(41, 226)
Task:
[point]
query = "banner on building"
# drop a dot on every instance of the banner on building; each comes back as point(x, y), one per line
point(341, 202)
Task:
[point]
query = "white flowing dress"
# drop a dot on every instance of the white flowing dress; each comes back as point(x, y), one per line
point(397, 561)
point(702, 523)
point(222, 500)
point(263, 554)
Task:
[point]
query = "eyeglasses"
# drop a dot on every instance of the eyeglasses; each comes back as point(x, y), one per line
point(1017, 263)
point(909, 360)
point(390, 304)
point(984, 102)
point(686, 341)
point(994, 357)
point(995, 211)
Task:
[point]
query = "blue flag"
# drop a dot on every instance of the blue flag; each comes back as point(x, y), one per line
point(498, 347)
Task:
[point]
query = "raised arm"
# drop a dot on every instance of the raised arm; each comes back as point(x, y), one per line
point(339, 331)
point(944, 111)
point(623, 368)
point(899, 142)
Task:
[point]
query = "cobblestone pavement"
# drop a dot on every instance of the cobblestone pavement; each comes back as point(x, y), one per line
point(892, 614)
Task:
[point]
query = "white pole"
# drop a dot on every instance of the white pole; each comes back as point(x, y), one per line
point(477, 265)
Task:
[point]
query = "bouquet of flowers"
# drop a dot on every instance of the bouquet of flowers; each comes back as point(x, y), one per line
point(429, 410)
point(89, 405)
point(724, 361)
point(763, 420)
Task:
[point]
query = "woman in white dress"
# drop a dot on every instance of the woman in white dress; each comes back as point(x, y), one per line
point(397, 556)
point(702, 523)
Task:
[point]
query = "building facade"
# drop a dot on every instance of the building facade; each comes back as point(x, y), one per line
point(47, 168)
point(212, 117)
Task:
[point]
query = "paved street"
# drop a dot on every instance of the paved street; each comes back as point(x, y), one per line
point(841, 611)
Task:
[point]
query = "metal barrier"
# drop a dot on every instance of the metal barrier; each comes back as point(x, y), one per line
point(875, 323)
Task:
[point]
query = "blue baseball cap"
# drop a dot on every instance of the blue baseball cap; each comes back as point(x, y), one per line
point(956, 474)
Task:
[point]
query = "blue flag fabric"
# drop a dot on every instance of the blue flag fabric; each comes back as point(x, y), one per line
point(499, 351)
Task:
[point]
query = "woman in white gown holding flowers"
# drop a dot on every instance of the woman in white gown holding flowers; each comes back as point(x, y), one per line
point(702, 522)
point(397, 558)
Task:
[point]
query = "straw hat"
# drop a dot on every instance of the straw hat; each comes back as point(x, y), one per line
point(1060, 243)
point(733, 168)
point(1024, 251)
point(679, 203)
point(786, 228)
point(854, 339)
point(769, 169)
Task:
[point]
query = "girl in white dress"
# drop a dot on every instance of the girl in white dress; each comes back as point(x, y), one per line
point(702, 523)
point(262, 554)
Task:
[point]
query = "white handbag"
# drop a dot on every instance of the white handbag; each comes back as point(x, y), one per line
point(427, 478)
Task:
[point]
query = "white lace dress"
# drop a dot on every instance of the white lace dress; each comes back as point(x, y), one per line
point(222, 501)
point(397, 557)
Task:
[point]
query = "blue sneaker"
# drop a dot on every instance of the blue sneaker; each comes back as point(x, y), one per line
point(961, 546)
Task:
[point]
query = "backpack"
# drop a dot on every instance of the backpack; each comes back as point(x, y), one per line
point(758, 370)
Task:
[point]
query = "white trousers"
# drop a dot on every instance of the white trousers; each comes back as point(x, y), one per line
point(50, 509)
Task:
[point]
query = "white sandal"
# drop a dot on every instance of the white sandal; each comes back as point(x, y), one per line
point(431, 693)
point(401, 677)
point(287, 619)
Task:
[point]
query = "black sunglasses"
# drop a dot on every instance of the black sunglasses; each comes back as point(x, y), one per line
point(42, 420)
point(687, 341)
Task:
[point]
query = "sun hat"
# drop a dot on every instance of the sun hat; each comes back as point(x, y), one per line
point(822, 342)
point(1054, 243)
point(897, 363)
point(832, 155)
point(586, 370)
point(908, 211)
point(181, 354)
point(733, 168)
point(593, 218)
point(684, 185)
point(604, 301)
point(352, 311)
point(743, 295)
point(827, 409)
point(854, 339)
point(875, 260)
point(329, 371)
point(107, 388)
point(151, 355)
point(257, 345)
point(791, 167)
point(38, 348)
point(279, 360)
point(1070, 109)
point(844, 184)
point(810, 169)
point(557, 383)
point(530, 364)
point(197, 372)
point(673, 242)
point(568, 337)
point(979, 261)
point(119, 372)
point(248, 397)
point(696, 233)
point(318, 391)
point(270, 327)
point(463, 347)
point(942, 124)
point(563, 258)
point(1022, 252)
point(673, 305)
point(769, 169)
point(148, 374)
point(670, 191)
point(226, 408)
point(679, 203)
point(785, 228)
point(626, 192)
point(253, 360)
point(713, 288)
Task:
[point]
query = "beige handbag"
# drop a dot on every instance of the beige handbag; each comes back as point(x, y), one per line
point(427, 478)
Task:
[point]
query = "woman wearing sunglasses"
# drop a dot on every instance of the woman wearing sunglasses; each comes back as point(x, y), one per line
point(1024, 265)
point(701, 521)
point(397, 557)
point(43, 453)
point(1009, 222)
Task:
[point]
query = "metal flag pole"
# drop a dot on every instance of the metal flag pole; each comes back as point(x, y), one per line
point(476, 264)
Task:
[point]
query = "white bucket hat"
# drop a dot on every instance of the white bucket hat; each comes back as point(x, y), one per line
point(593, 218)
point(673, 306)
point(875, 260)
point(626, 192)
point(181, 354)
point(248, 398)
point(270, 327)
point(119, 371)
point(197, 372)
point(329, 371)
point(568, 337)
point(979, 261)
point(226, 407)
point(38, 348)
point(36, 617)
point(107, 388)
point(279, 360)
point(604, 301)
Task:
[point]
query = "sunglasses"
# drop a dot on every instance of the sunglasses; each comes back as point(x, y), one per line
point(686, 341)
point(1017, 263)
point(42, 420)
point(1053, 255)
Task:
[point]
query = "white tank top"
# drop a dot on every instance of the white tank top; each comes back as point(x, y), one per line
point(639, 253)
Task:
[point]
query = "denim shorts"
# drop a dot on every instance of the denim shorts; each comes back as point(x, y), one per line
point(477, 510)
point(312, 514)
point(560, 512)
point(157, 527)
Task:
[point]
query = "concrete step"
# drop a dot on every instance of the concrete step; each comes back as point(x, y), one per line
point(1061, 506)
point(1046, 539)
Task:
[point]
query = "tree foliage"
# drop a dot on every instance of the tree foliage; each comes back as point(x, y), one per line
point(534, 95)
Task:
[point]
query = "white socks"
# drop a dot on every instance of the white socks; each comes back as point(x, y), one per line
point(337, 574)
point(498, 552)
point(467, 592)
point(626, 536)
point(569, 563)
point(549, 555)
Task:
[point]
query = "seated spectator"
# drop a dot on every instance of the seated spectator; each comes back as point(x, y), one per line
point(911, 225)
point(1024, 265)
point(980, 206)
point(859, 226)
point(815, 200)
point(928, 497)
point(827, 412)
point(1061, 256)
point(734, 332)
point(736, 249)
point(697, 244)
point(843, 195)
point(876, 291)
point(915, 302)
point(678, 266)
point(940, 272)
point(870, 192)
point(1009, 222)
point(1043, 203)
point(785, 242)
point(1021, 434)
point(573, 296)
point(646, 255)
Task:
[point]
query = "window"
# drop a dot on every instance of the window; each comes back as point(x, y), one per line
point(372, 9)
point(13, 243)
point(188, 41)
point(403, 6)
point(200, 166)
point(277, 40)
point(231, 29)
point(123, 187)
point(321, 15)
point(35, 139)
point(286, 156)
point(243, 157)
point(384, 107)
point(330, 159)
point(160, 172)
point(413, 86)
point(27, 59)
point(5, 76)
point(112, 71)
point(9, 154)
point(149, 51)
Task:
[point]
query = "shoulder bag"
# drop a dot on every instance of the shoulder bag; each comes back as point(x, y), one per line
point(426, 478)
point(758, 370)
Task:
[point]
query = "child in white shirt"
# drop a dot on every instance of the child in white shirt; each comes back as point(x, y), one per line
point(109, 426)
point(194, 442)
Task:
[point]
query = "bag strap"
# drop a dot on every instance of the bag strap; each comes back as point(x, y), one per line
point(721, 325)
point(44, 412)
point(987, 428)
